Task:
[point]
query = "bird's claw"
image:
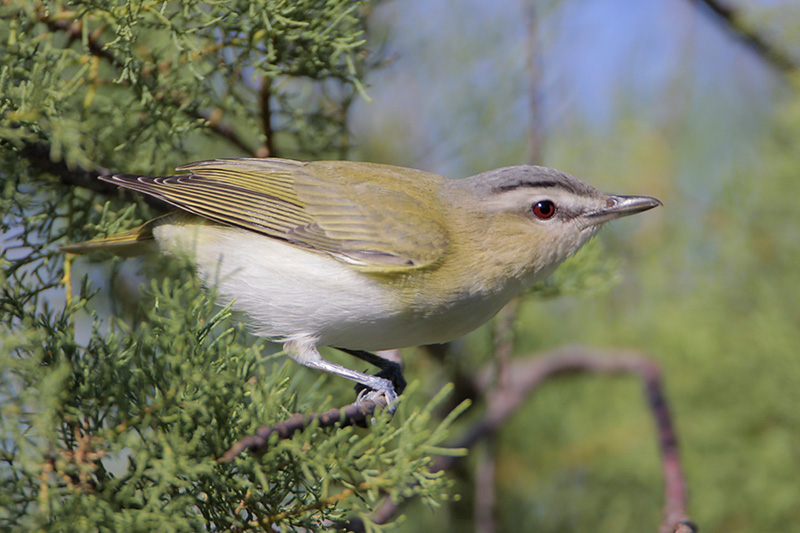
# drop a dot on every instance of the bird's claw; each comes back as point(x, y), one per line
point(386, 398)
point(385, 394)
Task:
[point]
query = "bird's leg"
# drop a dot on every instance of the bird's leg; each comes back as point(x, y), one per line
point(389, 369)
point(305, 352)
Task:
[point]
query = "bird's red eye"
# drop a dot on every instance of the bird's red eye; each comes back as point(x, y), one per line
point(544, 209)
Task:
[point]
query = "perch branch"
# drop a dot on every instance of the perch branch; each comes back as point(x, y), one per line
point(349, 415)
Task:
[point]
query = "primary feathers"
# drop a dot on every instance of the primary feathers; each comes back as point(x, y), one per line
point(309, 205)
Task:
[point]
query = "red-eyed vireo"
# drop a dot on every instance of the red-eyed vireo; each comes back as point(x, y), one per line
point(362, 256)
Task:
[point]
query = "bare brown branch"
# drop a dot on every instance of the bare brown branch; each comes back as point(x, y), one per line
point(533, 67)
point(265, 95)
point(530, 372)
point(357, 414)
point(485, 489)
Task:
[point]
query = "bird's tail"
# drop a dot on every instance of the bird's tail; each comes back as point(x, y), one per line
point(135, 241)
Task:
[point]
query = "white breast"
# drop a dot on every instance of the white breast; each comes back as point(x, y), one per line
point(290, 293)
point(286, 291)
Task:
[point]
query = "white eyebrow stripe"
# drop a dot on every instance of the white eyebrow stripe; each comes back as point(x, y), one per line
point(521, 199)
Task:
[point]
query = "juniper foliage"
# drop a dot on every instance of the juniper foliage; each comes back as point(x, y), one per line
point(115, 418)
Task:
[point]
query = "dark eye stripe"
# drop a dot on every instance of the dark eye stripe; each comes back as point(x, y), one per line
point(529, 184)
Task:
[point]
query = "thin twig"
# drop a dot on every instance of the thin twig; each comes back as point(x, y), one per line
point(485, 488)
point(533, 68)
point(504, 340)
point(357, 414)
point(485, 472)
point(268, 521)
point(38, 155)
point(265, 96)
point(213, 122)
point(754, 40)
point(73, 30)
point(97, 49)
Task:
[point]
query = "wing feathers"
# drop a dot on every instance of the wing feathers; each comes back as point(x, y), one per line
point(365, 221)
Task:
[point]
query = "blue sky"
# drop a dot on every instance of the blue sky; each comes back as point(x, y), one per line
point(457, 83)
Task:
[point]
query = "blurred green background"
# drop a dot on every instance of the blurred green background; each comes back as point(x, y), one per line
point(656, 97)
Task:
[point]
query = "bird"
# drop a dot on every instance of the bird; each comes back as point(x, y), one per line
point(361, 256)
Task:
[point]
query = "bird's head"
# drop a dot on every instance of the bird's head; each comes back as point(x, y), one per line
point(534, 217)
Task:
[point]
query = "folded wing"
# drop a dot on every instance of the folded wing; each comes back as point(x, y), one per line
point(373, 216)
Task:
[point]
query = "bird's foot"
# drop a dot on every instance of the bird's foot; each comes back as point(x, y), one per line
point(392, 384)
point(384, 397)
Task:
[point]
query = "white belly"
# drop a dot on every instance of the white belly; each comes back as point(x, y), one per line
point(290, 293)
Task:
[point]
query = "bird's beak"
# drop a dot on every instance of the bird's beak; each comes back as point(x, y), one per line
point(621, 206)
